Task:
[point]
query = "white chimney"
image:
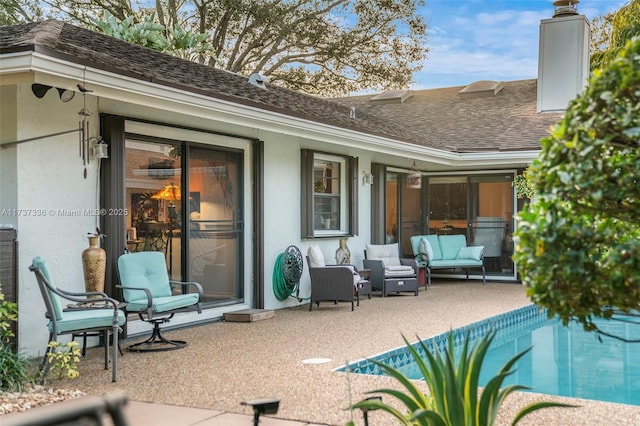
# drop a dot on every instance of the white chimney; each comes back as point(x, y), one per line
point(563, 62)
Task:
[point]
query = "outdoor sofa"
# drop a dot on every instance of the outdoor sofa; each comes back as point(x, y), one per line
point(446, 252)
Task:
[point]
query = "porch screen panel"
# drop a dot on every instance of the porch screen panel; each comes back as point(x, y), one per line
point(215, 223)
point(391, 219)
point(411, 212)
point(492, 205)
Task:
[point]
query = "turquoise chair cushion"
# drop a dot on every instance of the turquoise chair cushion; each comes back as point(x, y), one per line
point(81, 319)
point(40, 263)
point(435, 246)
point(163, 304)
point(145, 269)
point(451, 245)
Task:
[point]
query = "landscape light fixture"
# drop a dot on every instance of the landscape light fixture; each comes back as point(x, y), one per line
point(39, 90)
point(262, 406)
point(365, 411)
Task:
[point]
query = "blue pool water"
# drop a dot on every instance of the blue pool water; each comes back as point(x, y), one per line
point(565, 361)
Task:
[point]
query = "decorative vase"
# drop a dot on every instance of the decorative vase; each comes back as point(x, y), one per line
point(343, 255)
point(94, 262)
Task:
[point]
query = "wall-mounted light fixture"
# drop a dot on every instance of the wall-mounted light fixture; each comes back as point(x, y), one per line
point(39, 90)
point(414, 178)
point(367, 178)
point(99, 148)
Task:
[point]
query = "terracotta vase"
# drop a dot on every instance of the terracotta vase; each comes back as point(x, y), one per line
point(94, 262)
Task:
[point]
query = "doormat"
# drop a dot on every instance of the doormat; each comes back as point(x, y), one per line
point(248, 315)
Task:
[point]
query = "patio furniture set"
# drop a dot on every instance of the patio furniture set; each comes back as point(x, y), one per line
point(385, 271)
point(146, 291)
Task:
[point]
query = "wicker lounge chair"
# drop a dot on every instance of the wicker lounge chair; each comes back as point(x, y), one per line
point(389, 273)
point(334, 283)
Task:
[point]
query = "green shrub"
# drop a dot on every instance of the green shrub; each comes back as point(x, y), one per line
point(578, 241)
point(454, 397)
point(8, 313)
point(14, 368)
point(64, 359)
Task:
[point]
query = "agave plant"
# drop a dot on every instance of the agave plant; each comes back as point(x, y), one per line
point(454, 397)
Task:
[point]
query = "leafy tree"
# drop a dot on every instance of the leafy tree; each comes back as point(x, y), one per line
point(14, 12)
point(578, 241)
point(175, 41)
point(329, 47)
point(610, 32)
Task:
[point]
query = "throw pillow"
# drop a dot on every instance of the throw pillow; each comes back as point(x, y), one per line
point(315, 257)
point(356, 275)
point(471, 252)
point(426, 251)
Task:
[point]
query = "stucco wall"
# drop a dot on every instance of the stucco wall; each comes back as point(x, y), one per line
point(48, 182)
point(282, 210)
point(51, 191)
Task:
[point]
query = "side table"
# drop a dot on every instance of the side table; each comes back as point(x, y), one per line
point(364, 285)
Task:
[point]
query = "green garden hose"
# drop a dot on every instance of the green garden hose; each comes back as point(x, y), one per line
point(286, 273)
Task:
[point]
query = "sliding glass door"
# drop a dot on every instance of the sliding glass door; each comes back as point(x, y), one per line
point(479, 206)
point(199, 230)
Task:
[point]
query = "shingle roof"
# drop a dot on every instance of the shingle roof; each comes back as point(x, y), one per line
point(506, 121)
point(79, 45)
point(436, 118)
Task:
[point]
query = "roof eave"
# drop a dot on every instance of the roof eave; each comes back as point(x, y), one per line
point(156, 94)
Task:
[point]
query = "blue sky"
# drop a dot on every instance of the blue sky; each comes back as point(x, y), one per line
point(474, 40)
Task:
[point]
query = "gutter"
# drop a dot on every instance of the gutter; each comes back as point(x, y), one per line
point(135, 89)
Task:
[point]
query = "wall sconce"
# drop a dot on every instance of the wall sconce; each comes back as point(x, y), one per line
point(99, 148)
point(414, 179)
point(39, 90)
point(367, 178)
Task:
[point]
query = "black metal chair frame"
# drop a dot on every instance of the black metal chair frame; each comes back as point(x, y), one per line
point(80, 298)
point(157, 342)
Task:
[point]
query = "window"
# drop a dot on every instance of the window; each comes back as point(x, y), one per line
point(329, 191)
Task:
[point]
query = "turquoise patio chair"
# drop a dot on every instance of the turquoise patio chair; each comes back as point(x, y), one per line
point(89, 312)
point(147, 291)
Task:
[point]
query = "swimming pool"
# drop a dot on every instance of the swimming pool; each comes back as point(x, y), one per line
point(564, 361)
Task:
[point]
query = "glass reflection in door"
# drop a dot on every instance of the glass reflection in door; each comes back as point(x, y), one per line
point(152, 183)
point(215, 223)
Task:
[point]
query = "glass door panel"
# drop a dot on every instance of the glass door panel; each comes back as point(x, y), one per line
point(410, 212)
point(152, 183)
point(391, 220)
point(492, 220)
point(215, 223)
point(447, 198)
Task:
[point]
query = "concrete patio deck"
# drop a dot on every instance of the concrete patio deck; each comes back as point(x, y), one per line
point(226, 363)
